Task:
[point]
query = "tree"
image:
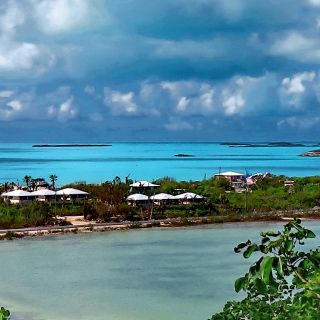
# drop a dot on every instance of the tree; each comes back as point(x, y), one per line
point(283, 284)
point(53, 178)
point(27, 180)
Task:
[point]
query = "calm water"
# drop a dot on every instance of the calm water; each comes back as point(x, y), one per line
point(160, 274)
point(149, 161)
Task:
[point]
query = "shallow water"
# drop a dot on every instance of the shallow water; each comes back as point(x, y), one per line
point(160, 274)
point(149, 161)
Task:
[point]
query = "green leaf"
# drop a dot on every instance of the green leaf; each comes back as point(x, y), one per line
point(239, 284)
point(272, 233)
point(240, 246)
point(250, 250)
point(288, 245)
point(260, 286)
point(309, 234)
point(266, 268)
point(277, 262)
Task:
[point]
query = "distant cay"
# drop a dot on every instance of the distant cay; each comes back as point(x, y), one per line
point(262, 145)
point(69, 145)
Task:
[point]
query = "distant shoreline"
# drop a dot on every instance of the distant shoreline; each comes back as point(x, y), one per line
point(69, 145)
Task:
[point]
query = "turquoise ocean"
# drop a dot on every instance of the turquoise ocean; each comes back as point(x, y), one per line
point(154, 274)
point(150, 161)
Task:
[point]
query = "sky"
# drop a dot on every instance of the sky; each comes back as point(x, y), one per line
point(161, 70)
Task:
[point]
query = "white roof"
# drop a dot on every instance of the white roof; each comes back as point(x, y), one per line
point(188, 195)
point(17, 193)
point(43, 192)
point(70, 191)
point(137, 197)
point(162, 196)
point(144, 184)
point(229, 173)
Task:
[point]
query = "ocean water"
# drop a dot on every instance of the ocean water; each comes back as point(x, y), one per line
point(154, 274)
point(149, 161)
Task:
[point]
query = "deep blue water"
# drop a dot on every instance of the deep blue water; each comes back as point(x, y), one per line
point(150, 161)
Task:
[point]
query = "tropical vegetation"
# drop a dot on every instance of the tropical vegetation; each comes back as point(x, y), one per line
point(284, 283)
point(269, 198)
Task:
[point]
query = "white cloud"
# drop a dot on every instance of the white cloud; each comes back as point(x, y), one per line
point(182, 104)
point(190, 97)
point(296, 83)
point(120, 103)
point(6, 93)
point(232, 102)
point(11, 110)
point(297, 46)
point(206, 97)
point(315, 3)
point(59, 16)
point(18, 56)
point(13, 17)
point(299, 91)
point(15, 105)
point(66, 111)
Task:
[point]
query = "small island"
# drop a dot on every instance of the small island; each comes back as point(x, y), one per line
point(262, 145)
point(312, 153)
point(184, 155)
point(69, 145)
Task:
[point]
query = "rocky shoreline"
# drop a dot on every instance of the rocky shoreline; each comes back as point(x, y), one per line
point(11, 234)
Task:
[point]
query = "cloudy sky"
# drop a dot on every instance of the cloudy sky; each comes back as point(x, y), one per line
point(161, 70)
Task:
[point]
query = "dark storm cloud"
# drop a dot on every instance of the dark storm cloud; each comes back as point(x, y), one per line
point(160, 70)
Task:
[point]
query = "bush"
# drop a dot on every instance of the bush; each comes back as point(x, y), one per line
point(283, 283)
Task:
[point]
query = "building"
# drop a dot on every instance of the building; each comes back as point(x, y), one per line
point(19, 196)
point(236, 179)
point(143, 186)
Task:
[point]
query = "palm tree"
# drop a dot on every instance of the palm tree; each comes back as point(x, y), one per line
point(27, 180)
point(53, 178)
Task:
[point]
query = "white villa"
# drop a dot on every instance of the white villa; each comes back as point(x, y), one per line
point(26, 197)
point(19, 196)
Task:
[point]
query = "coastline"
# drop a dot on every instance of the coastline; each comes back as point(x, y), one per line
point(12, 234)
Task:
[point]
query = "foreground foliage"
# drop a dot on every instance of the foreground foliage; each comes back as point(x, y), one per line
point(4, 314)
point(284, 283)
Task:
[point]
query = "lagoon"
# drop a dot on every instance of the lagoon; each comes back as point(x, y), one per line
point(160, 274)
point(149, 161)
